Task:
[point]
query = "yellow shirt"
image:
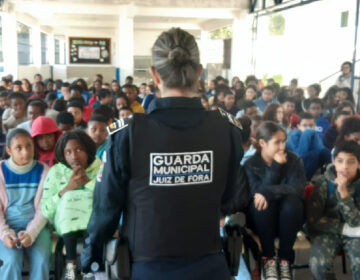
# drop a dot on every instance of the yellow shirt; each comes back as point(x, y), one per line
point(137, 108)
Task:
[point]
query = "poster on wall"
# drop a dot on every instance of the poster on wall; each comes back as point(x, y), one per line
point(90, 50)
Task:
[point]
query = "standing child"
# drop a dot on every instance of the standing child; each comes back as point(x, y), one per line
point(45, 134)
point(333, 214)
point(68, 191)
point(277, 181)
point(21, 222)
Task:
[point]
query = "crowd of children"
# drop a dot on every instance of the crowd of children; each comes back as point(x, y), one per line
point(54, 134)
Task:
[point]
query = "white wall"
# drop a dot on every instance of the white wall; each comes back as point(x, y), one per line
point(144, 40)
point(29, 71)
point(313, 45)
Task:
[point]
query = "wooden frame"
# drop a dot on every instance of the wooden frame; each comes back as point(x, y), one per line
point(104, 52)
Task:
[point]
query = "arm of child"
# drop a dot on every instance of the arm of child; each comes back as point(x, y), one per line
point(38, 222)
point(294, 183)
point(50, 196)
point(348, 209)
point(316, 220)
point(5, 230)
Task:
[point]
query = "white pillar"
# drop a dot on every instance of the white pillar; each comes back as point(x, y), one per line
point(204, 44)
point(241, 49)
point(125, 44)
point(9, 39)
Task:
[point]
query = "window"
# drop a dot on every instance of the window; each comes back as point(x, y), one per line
point(24, 44)
point(344, 19)
point(1, 45)
point(44, 49)
point(57, 51)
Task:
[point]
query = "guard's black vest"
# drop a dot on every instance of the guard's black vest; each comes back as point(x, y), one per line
point(177, 180)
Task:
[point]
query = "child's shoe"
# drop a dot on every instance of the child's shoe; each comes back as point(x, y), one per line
point(269, 269)
point(285, 270)
point(88, 276)
point(70, 271)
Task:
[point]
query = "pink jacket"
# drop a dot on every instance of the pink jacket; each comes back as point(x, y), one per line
point(37, 223)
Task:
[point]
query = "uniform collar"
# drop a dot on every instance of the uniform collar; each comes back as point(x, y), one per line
point(174, 103)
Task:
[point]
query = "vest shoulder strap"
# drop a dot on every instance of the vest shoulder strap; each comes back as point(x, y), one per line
point(231, 119)
point(118, 125)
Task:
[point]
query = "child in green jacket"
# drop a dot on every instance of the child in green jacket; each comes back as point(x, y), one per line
point(68, 191)
point(333, 216)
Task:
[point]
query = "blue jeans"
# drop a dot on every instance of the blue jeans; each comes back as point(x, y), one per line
point(39, 254)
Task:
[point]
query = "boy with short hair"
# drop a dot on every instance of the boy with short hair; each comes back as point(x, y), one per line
point(97, 131)
point(316, 108)
point(267, 97)
point(39, 91)
point(34, 109)
point(333, 213)
point(306, 142)
point(105, 97)
point(229, 103)
point(65, 121)
point(125, 112)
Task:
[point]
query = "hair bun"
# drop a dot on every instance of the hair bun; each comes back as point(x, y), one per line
point(178, 56)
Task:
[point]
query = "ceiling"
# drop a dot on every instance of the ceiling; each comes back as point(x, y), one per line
point(148, 14)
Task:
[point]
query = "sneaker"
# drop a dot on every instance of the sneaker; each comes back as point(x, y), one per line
point(269, 269)
point(70, 271)
point(285, 270)
point(88, 276)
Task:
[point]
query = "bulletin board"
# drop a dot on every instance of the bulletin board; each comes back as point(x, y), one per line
point(89, 50)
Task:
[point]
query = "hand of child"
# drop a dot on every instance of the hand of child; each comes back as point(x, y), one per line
point(342, 183)
point(25, 239)
point(82, 177)
point(280, 157)
point(10, 241)
point(260, 202)
point(78, 178)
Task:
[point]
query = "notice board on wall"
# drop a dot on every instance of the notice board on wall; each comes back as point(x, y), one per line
point(90, 50)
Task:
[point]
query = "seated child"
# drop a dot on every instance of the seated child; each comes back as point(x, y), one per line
point(204, 101)
point(275, 113)
point(97, 131)
point(125, 112)
point(50, 99)
point(249, 109)
point(45, 134)
point(333, 213)
point(106, 113)
point(267, 97)
point(34, 109)
point(229, 103)
point(68, 191)
point(277, 182)
point(76, 108)
point(248, 147)
point(65, 121)
point(306, 143)
point(22, 225)
point(121, 101)
point(350, 130)
point(105, 97)
point(16, 114)
point(333, 131)
point(316, 108)
point(289, 112)
point(4, 101)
